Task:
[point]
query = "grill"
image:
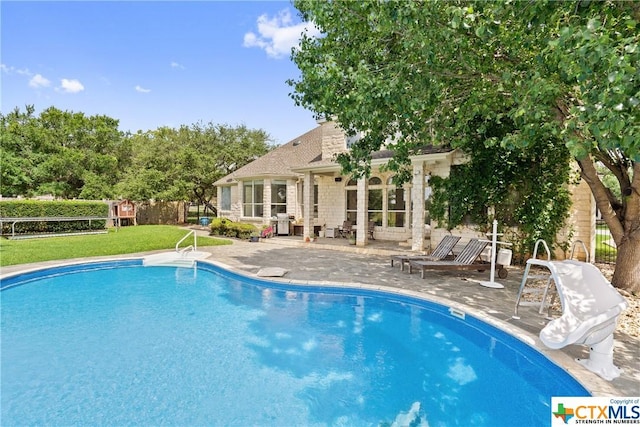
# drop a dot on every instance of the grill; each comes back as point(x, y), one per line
point(283, 224)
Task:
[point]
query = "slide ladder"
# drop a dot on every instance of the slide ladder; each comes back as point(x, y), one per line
point(529, 277)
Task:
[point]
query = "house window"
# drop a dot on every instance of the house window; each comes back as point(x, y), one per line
point(396, 205)
point(375, 212)
point(252, 201)
point(225, 198)
point(352, 201)
point(427, 199)
point(387, 204)
point(278, 197)
point(315, 200)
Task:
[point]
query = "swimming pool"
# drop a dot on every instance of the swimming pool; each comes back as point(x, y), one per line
point(121, 344)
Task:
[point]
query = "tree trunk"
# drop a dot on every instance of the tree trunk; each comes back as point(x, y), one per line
point(624, 231)
point(627, 273)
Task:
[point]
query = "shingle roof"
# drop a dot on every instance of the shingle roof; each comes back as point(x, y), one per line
point(303, 153)
point(379, 155)
point(280, 162)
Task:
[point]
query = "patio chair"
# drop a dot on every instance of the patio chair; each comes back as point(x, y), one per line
point(371, 229)
point(346, 229)
point(467, 259)
point(441, 251)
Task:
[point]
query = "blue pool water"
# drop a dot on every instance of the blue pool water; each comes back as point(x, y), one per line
point(123, 344)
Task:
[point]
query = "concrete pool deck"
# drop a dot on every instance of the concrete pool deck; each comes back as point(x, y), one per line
point(332, 263)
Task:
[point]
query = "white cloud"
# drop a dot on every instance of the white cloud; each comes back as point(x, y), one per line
point(71, 86)
point(11, 69)
point(278, 35)
point(174, 64)
point(39, 81)
point(141, 89)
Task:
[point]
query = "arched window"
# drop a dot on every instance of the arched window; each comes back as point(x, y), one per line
point(387, 203)
point(396, 205)
point(351, 191)
point(375, 212)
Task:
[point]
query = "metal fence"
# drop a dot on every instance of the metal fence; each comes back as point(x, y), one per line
point(606, 251)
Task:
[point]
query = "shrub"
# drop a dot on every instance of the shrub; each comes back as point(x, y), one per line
point(228, 228)
point(245, 230)
point(219, 226)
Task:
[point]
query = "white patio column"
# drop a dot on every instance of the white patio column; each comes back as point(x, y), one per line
point(362, 215)
point(238, 207)
point(307, 212)
point(266, 201)
point(417, 206)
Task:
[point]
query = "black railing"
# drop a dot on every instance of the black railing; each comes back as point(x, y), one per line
point(606, 251)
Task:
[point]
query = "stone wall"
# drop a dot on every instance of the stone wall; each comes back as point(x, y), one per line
point(581, 224)
point(331, 201)
point(333, 141)
point(236, 204)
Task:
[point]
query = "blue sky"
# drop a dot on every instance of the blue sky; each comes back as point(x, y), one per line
point(151, 64)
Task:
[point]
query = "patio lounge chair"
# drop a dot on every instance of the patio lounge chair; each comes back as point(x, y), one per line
point(590, 310)
point(442, 250)
point(465, 260)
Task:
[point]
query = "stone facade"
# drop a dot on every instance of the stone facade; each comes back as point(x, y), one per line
point(321, 170)
point(333, 140)
point(581, 225)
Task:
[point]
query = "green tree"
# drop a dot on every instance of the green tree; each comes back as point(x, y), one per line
point(169, 164)
point(524, 187)
point(425, 71)
point(58, 152)
point(16, 151)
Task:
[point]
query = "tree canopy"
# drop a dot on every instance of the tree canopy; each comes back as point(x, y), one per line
point(168, 164)
point(443, 71)
point(70, 155)
point(59, 152)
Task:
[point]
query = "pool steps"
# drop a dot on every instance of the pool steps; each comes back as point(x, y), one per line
point(175, 259)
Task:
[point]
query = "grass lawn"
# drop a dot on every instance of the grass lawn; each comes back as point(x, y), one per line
point(125, 240)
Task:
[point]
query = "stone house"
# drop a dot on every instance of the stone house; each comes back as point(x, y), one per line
point(301, 179)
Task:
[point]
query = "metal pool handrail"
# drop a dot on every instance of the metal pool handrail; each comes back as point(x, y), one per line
point(194, 247)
